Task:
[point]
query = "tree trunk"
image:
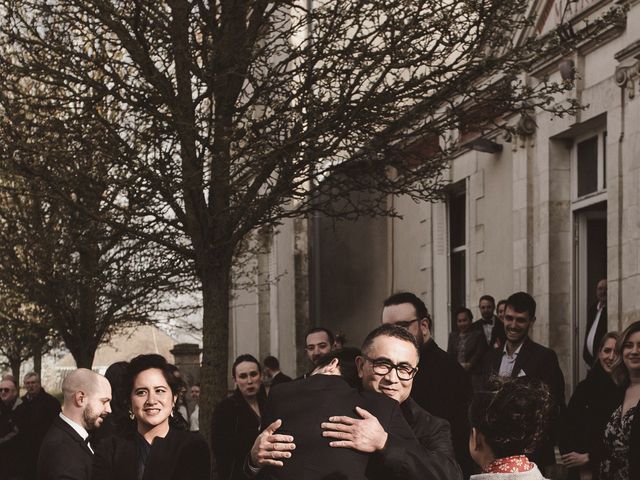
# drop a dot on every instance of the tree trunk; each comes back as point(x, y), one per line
point(216, 287)
point(37, 357)
point(15, 368)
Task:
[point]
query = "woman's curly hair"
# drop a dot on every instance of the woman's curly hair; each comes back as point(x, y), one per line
point(512, 414)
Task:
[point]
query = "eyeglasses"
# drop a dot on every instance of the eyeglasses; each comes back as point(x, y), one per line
point(5, 390)
point(406, 323)
point(383, 367)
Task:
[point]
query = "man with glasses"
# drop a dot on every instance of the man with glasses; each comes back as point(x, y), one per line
point(353, 421)
point(389, 364)
point(441, 386)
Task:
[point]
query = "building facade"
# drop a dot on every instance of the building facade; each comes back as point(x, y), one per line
point(550, 211)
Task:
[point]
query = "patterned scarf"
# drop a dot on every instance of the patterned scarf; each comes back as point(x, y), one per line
point(515, 464)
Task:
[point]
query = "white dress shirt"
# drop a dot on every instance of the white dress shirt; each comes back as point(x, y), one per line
point(80, 430)
point(508, 361)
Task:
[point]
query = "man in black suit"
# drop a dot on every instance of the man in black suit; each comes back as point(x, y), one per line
point(522, 357)
point(272, 370)
point(596, 324)
point(386, 366)
point(66, 451)
point(441, 386)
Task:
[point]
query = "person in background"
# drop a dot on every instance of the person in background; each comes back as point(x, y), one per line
point(9, 448)
point(236, 420)
point(180, 417)
point(621, 450)
point(153, 449)
point(488, 321)
point(34, 418)
point(273, 373)
point(468, 345)
point(507, 421)
point(441, 386)
point(522, 357)
point(498, 336)
point(318, 342)
point(596, 324)
point(194, 418)
point(118, 421)
point(588, 412)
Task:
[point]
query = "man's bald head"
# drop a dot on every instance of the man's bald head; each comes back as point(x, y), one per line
point(86, 398)
point(80, 380)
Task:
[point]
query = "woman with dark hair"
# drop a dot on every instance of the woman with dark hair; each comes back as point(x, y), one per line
point(621, 449)
point(151, 449)
point(236, 420)
point(588, 412)
point(507, 422)
point(117, 422)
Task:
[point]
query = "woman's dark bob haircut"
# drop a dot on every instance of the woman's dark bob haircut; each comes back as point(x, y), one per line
point(147, 362)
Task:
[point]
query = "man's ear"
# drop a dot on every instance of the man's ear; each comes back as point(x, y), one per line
point(473, 440)
point(334, 366)
point(360, 366)
point(424, 326)
point(78, 398)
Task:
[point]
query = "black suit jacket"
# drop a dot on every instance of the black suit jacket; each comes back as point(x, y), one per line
point(601, 331)
point(178, 456)
point(443, 388)
point(64, 455)
point(280, 378)
point(536, 361)
point(304, 404)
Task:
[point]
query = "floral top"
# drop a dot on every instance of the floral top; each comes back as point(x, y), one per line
point(514, 464)
point(617, 435)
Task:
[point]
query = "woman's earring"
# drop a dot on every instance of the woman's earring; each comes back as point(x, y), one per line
point(131, 415)
point(172, 413)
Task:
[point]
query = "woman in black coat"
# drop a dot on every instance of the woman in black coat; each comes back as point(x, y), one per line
point(588, 412)
point(151, 449)
point(236, 420)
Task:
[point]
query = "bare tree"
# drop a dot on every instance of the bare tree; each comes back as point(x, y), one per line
point(234, 114)
point(25, 332)
point(85, 278)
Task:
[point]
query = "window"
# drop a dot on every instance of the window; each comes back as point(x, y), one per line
point(458, 246)
point(591, 168)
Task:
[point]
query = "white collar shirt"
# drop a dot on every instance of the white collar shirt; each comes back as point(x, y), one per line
point(508, 361)
point(80, 430)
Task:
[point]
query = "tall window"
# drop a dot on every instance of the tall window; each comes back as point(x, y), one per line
point(458, 246)
point(591, 165)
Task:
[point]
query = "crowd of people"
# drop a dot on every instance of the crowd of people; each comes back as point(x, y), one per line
point(398, 407)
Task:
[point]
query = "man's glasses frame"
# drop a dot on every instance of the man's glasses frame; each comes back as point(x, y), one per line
point(406, 323)
point(383, 367)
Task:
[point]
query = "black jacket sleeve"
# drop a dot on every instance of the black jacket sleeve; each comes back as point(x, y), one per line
point(428, 457)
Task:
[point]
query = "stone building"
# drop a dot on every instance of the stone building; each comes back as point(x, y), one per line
point(550, 211)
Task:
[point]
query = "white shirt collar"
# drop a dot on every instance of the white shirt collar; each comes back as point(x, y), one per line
point(80, 430)
point(517, 351)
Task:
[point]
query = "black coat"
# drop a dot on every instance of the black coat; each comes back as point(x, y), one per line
point(178, 456)
point(9, 446)
point(64, 455)
point(280, 378)
point(475, 347)
point(443, 388)
point(587, 414)
point(303, 405)
point(536, 361)
point(234, 428)
point(601, 331)
point(34, 418)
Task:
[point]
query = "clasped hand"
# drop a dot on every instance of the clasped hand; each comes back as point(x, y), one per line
point(364, 435)
point(269, 447)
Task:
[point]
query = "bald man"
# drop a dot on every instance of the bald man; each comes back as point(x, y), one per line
point(66, 451)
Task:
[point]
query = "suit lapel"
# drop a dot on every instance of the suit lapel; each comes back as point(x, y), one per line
point(65, 427)
point(522, 358)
